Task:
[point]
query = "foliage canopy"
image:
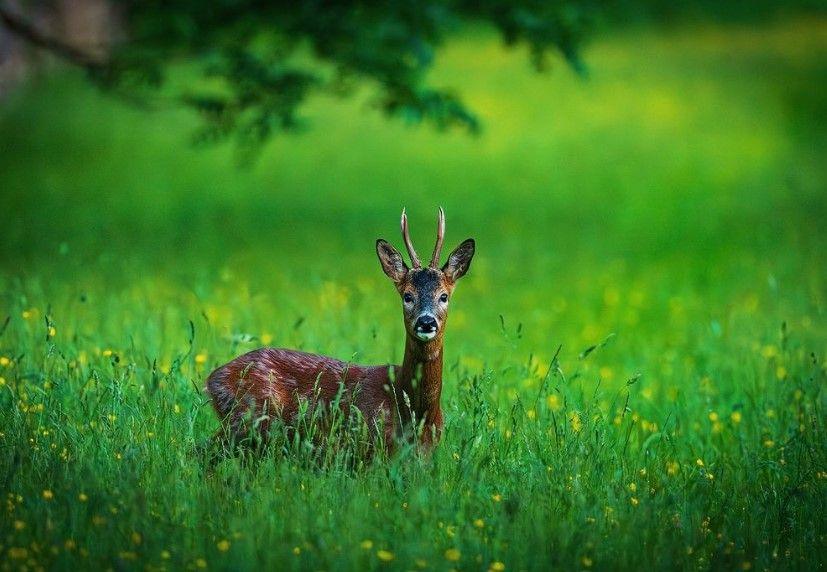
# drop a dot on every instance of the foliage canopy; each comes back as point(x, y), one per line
point(258, 61)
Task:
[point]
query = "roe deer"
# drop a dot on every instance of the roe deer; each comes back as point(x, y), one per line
point(269, 383)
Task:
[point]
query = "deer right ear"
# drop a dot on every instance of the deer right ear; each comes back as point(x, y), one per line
point(391, 260)
point(459, 260)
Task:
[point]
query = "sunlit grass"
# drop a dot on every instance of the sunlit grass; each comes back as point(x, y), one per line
point(660, 222)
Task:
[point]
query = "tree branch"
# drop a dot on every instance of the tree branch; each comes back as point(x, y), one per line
point(26, 31)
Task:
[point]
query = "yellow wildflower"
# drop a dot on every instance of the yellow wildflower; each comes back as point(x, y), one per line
point(735, 417)
point(479, 523)
point(385, 555)
point(19, 525)
point(634, 501)
point(587, 562)
point(201, 563)
point(4, 361)
point(366, 544)
point(452, 554)
point(223, 545)
point(201, 358)
point(48, 495)
point(576, 423)
point(553, 402)
point(82, 497)
point(497, 566)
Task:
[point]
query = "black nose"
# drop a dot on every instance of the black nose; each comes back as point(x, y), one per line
point(426, 324)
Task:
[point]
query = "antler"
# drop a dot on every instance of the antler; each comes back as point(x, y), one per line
point(440, 235)
point(408, 244)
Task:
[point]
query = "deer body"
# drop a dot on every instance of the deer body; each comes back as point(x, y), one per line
point(270, 383)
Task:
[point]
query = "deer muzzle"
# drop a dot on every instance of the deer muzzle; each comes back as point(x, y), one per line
point(426, 327)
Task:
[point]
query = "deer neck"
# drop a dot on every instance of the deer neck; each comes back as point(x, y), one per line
point(420, 377)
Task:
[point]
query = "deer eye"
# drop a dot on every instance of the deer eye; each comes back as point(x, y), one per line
point(443, 298)
point(407, 298)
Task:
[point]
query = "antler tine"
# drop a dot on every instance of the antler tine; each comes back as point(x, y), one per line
point(408, 244)
point(440, 236)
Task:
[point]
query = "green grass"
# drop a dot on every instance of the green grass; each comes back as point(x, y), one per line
point(672, 204)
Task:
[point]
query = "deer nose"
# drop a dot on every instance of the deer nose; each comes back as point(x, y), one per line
point(426, 324)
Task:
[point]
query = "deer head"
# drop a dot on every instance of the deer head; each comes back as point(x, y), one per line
point(425, 292)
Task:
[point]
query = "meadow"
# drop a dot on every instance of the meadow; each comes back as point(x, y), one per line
point(635, 363)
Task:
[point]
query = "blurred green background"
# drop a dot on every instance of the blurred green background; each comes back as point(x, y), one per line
point(689, 163)
point(675, 197)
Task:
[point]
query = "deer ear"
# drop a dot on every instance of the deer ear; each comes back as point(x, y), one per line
point(459, 261)
point(392, 263)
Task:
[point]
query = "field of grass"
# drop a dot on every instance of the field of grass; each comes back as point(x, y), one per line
point(668, 211)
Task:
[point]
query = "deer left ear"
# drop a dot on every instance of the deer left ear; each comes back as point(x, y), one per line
point(392, 263)
point(459, 261)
